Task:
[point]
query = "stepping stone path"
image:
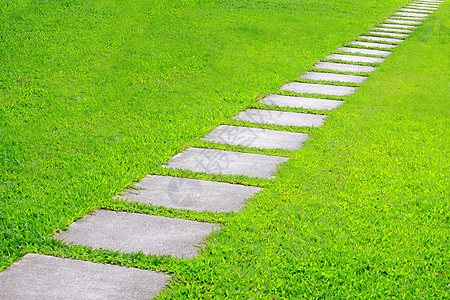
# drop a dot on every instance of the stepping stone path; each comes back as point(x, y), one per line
point(38, 276)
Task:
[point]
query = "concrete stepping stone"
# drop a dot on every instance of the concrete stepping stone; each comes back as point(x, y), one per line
point(333, 77)
point(417, 10)
point(418, 7)
point(214, 161)
point(356, 58)
point(398, 26)
point(411, 14)
point(403, 22)
point(256, 137)
point(372, 45)
point(192, 194)
point(323, 89)
point(131, 232)
point(364, 51)
point(38, 276)
point(380, 39)
point(391, 29)
point(408, 18)
point(400, 35)
point(343, 67)
point(301, 102)
point(283, 119)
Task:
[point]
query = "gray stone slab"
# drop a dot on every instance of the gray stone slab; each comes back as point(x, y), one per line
point(343, 67)
point(408, 18)
point(411, 14)
point(392, 29)
point(333, 77)
point(214, 161)
point(417, 10)
point(364, 51)
point(130, 232)
point(301, 102)
point(356, 58)
point(380, 39)
point(192, 194)
point(281, 118)
point(398, 26)
point(420, 7)
point(256, 137)
point(403, 22)
point(390, 34)
point(322, 89)
point(372, 45)
point(46, 277)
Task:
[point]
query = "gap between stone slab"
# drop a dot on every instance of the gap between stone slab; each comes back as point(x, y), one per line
point(310, 75)
point(364, 51)
point(355, 58)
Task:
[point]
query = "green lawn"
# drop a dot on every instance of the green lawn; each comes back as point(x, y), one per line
point(96, 95)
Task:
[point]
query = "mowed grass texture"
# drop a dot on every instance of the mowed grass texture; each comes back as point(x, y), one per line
point(95, 96)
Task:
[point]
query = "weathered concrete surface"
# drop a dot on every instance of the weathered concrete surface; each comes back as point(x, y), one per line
point(356, 58)
point(364, 51)
point(398, 26)
point(390, 34)
point(323, 89)
point(301, 102)
point(280, 118)
point(214, 161)
point(192, 194)
point(343, 67)
point(373, 45)
point(256, 137)
point(38, 276)
point(130, 232)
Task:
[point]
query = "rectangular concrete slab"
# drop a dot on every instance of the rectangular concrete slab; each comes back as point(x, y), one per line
point(300, 102)
point(281, 118)
point(398, 26)
point(364, 51)
point(408, 18)
point(392, 30)
point(420, 7)
point(192, 194)
point(391, 34)
point(130, 232)
point(256, 137)
point(417, 10)
point(322, 89)
point(38, 276)
point(403, 22)
point(380, 39)
point(372, 45)
point(333, 77)
point(343, 67)
point(411, 14)
point(214, 161)
point(356, 58)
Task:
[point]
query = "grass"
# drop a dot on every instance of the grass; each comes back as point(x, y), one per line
point(96, 95)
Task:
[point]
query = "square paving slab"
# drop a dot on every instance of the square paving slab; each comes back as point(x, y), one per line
point(282, 118)
point(38, 276)
point(301, 102)
point(391, 34)
point(372, 45)
point(130, 232)
point(392, 29)
point(192, 194)
point(403, 22)
point(380, 39)
point(411, 14)
point(398, 26)
point(364, 51)
point(214, 161)
point(343, 67)
point(333, 77)
point(256, 137)
point(356, 58)
point(323, 89)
